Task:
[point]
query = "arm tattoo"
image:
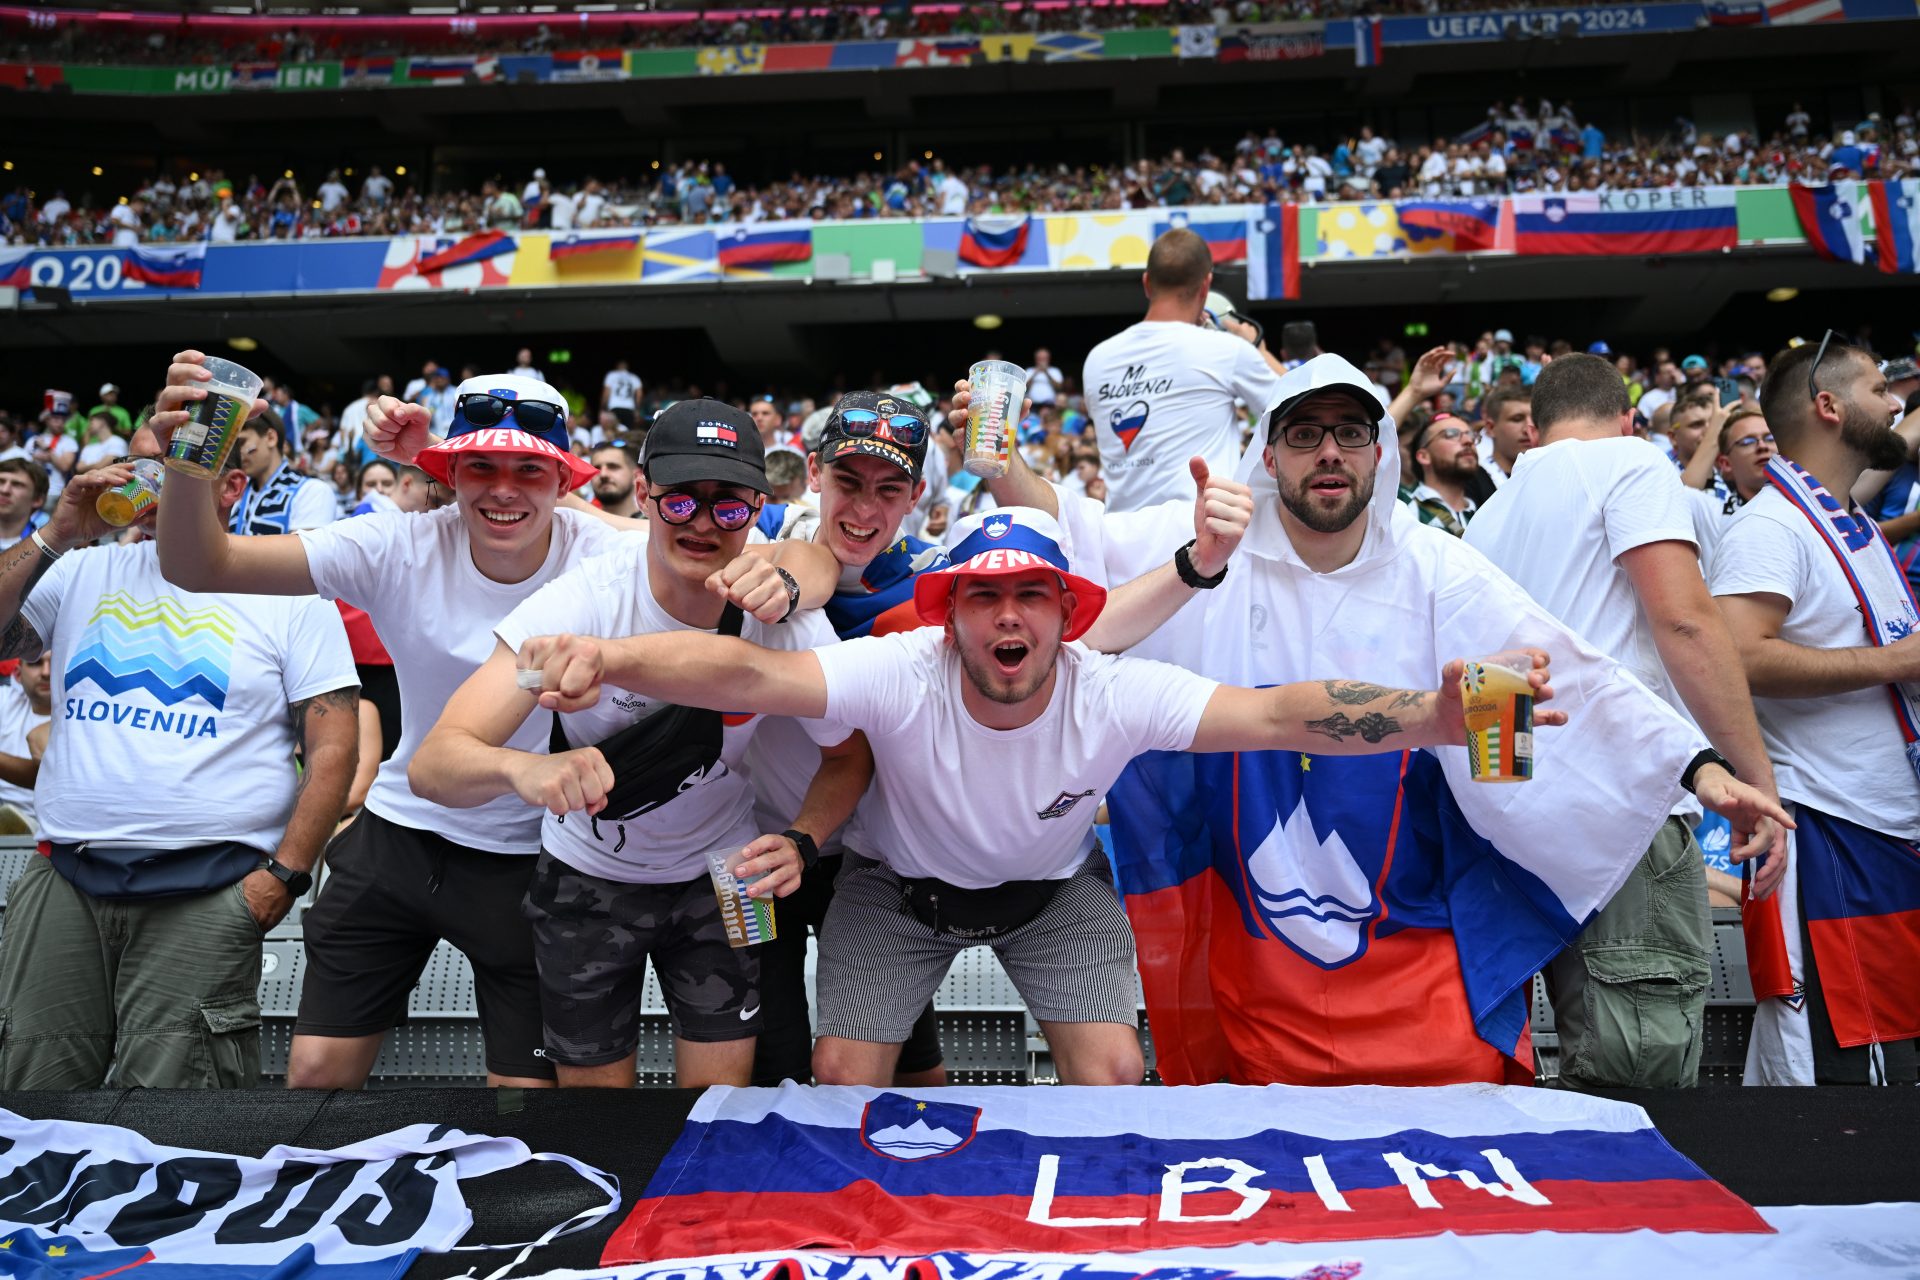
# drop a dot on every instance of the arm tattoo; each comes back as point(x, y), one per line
point(1354, 693)
point(1407, 698)
point(1372, 727)
point(19, 639)
point(334, 701)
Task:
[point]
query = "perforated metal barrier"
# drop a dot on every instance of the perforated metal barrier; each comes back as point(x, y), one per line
point(985, 1030)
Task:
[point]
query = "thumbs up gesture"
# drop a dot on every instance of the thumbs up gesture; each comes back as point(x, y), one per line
point(1222, 509)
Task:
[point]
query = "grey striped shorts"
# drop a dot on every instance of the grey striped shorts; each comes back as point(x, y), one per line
point(879, 965)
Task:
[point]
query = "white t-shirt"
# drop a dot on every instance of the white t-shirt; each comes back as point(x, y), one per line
point(17, 720)
point(1161, 392)
point(1840, 753)
point(622, 387)
point(1043, 385)
point(103, 451)
point(126, 225)
point(610, 596)
point(953, 196)
point(562, 206)
point(1652, 398)
point(1559, 527)
point(978, 807)
point(587, 206)
point(332, 196)
point(170, 707)
point(377, 188)
point(1711, 515)
point(1570, 511)
point(435, 612)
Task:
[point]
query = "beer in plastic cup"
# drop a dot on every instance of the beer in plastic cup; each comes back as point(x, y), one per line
point(749, 921)
point(199, 448)
point(121, 507)
point(1499, 713)
point(993, 409)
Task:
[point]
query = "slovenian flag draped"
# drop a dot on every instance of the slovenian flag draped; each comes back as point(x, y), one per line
point(1689, 220)
point(765, 244)
point(1226, 241)
point(1896, 224)
point(1273, 254)
point(1830, 217)
point(460, 253)
point(1308, 919)
point(1085, 1169)
point(1368, 42)
point(1472, 222)
point(995, 240)
point(576, 245)
point(16, 268)
point(167, 266)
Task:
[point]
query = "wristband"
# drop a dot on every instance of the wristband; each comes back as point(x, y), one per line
point(809, 851)
point(793, 591)
point(45, 550)
point(1183, 565)
point(1701, 761)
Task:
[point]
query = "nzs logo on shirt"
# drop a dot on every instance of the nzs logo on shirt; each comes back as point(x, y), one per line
point(1062, 804)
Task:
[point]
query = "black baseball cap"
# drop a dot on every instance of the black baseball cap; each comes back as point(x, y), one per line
point(836, 443)
point(696, 440)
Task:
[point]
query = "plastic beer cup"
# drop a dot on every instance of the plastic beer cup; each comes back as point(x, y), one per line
point(199, 448)
point(996, 389)
point(121, 507)
point(748, 921)
point(1499, 713)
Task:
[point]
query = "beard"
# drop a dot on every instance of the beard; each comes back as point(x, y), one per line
point(1464, 467)
point(611, 493)
point(1870, 434)
point(996, 686)
point(1299, 500)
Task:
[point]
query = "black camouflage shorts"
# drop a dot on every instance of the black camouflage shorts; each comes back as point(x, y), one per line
point(592, 939)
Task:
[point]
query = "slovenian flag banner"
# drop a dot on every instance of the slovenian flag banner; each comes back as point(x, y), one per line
point(1472, 222)
point(1830, 217)
point(1226, 241)
point(995, 240)
point(1085, 1169)
point(1896, 223)
point(1688, 220)
point(460, 253)
point(1273, 254)
point(16, 268)
point(166, 266)
point(765, 244)
point(585, 244)
point(1368, 42)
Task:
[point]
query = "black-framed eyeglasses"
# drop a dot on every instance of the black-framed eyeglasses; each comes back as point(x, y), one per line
point(1348, 435)
point(680, 507)
point(536, 417)
point(907, 429)
point(1749, 442)
point(1813, 388)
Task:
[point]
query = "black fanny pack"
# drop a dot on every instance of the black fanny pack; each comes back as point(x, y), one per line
point(976, 913)
point(653, 758)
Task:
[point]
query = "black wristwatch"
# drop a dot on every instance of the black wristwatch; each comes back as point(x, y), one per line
point(793, 595)
point(297, 882)
point(1705, 758)
point(1183, 565)
point(809, 851)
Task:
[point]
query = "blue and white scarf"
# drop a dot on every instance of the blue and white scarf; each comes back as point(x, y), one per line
point(1887, 605)
point(270, 508)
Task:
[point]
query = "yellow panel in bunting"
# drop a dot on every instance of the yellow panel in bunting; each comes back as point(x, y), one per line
point(723, 60)
point(1006, 48)
point(532, 267)
point(1373, 230)
point(1095, 242)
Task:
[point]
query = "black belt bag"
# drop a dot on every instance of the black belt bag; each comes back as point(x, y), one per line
point(976, 913)
point(652, 759)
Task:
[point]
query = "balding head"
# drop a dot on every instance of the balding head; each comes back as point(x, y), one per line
point(1180, 265)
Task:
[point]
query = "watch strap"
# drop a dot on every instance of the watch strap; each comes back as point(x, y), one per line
point(793, 592)
point(1701, 760)
point(809, 850)
point(1183, 565)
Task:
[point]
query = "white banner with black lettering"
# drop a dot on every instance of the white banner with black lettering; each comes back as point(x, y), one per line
point(91, 1199)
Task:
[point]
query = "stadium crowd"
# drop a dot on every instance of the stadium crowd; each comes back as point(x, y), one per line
point(1521, 147)
point(547, 596)
point(81, 42)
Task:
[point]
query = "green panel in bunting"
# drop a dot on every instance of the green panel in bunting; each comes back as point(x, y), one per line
point(862, 242)
point(643, 63)
point(1156, 42)
point(1309, 232)
point(1766, 213)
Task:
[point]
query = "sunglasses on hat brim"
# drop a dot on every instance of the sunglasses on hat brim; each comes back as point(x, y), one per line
point(535, 417)
point(908, 429)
